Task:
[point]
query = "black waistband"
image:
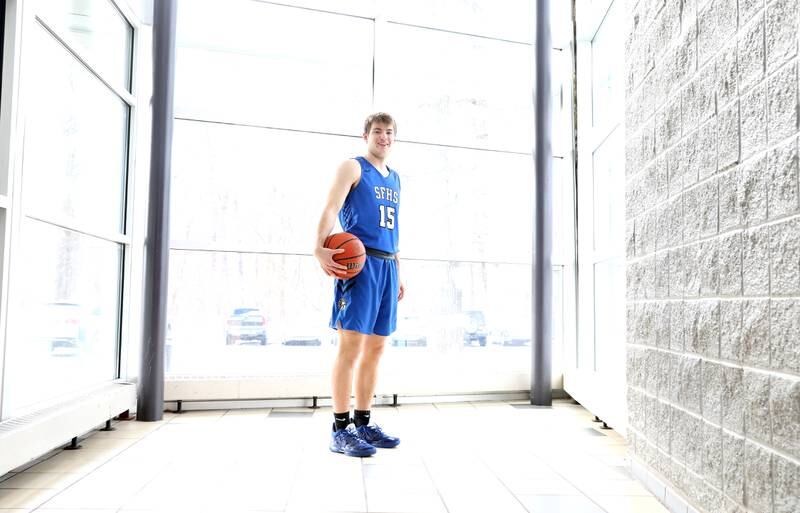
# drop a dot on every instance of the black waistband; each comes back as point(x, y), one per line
point(380, 254)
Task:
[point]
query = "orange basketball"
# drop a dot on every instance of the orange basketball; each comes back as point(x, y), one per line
point(354, 254)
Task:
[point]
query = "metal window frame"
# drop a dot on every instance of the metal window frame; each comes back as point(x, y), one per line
point(21, 16)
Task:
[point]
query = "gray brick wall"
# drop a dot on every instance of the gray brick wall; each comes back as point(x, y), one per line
point(713, 249)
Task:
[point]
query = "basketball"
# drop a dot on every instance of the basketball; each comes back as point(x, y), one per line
point(354, 254)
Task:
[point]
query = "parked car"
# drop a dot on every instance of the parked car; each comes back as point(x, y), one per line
point(63, 329)
point(302, 340)
point(410, 333)
point(474, 323)
point(246, 324)
point(515, 331)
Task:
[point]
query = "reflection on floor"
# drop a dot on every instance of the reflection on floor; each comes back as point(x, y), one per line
point(488, 457)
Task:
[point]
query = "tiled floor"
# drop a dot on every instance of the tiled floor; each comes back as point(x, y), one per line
point(454, 458)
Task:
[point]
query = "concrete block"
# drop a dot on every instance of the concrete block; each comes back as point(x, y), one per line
point(636, 413)
point(728, 137)
point(632, 279)
point(730, 208)
point(668, 125)
point(730, 265)
point(754, 121)
point(755, 333)
point(636, 368)
point(785, 406)
point(712, 454)
point(725, 75)
point(666, 26)
point(751, 53)
point(630, 239)
point(748, 8)
point(641, 105)
point(756, 406)
point(785, 335)
point(730, 344)
point(648, 233)
point(716, 22)
point(700, 160)
point(756, 261)
point(709, 213)
point(692, 257)
point(785, 257)
point(733, 399)
point(787, 485)
point(782, 193)
point(697, 99)
point(693, 220)
point(661, 180)
point(653, 364)
point(678, 438)
point(674, 213)
point(682, 60)
point(733, 466)
point(707, 261)
point(677, 273)
point(757, 477)
point(689, 383)
point(648, 282)
point(662, 324)
point(753, 191)
point(782, 103)
point(645, 327)
point(694, 444)
point(676, 168)
point(663, 418)
point(651, 425)
point(662, 275)
point(634, 197)
point(676, 321)
point(630, 323)
point(712, 392)
point(781, 32)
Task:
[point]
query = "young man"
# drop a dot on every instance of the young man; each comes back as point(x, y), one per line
point(366, 197)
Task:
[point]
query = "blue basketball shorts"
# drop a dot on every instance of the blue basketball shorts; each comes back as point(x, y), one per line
point(367, 303)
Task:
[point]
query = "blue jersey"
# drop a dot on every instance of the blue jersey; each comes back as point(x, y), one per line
point(372, 208)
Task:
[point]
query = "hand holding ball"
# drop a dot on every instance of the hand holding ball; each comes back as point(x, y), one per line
point(353, 256)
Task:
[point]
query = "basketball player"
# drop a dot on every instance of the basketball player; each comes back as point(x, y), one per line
point(366, 197)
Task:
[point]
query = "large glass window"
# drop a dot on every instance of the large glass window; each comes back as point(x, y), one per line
point(65, 291)
point(65, 311)
point(471, 91)
point(270, 65)
point(267, 113)
point(76, 140)
point(98, 32)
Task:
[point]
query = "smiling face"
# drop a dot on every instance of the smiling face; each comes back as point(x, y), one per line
point(379, 139)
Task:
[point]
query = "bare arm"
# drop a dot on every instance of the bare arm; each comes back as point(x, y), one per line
point(347, 175)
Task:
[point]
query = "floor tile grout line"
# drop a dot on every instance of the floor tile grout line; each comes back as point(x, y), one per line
point(579, 488)
point(96, 468)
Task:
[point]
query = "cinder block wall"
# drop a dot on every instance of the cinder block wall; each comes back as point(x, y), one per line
point(713, 249)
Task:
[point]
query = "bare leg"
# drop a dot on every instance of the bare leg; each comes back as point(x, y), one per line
point(350, 344)
point(367, 372)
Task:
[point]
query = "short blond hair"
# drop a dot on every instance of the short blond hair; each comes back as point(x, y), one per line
point(379, 117)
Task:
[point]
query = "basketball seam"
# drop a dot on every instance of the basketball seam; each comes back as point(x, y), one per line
point(345, 242)
point(348, 257)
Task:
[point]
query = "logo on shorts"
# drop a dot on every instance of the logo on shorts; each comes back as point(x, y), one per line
point(342, 303)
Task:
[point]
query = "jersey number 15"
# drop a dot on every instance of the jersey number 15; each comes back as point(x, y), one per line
point(387, 217)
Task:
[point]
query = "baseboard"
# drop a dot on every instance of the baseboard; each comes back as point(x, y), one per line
point(25, 438)
point(667, 495)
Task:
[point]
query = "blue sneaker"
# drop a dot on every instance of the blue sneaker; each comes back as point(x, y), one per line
point(347, 441)
point(375, 436)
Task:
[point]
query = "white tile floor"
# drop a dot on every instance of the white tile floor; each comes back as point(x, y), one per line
point(454, 458)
